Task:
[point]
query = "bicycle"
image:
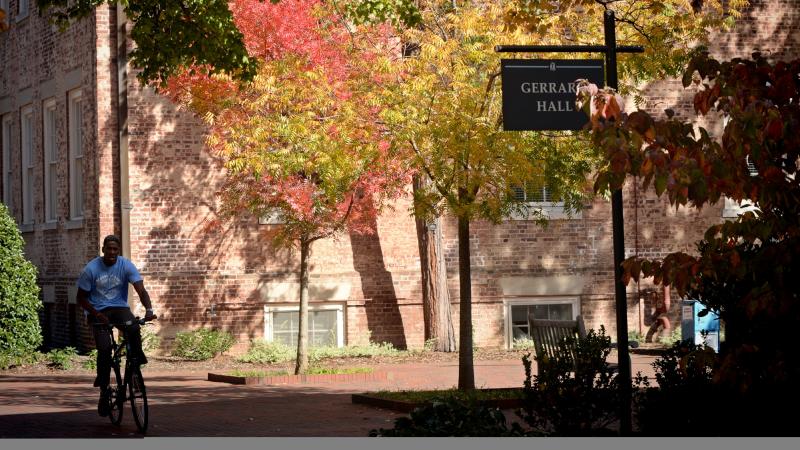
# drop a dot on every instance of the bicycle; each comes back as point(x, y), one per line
point(131, 387)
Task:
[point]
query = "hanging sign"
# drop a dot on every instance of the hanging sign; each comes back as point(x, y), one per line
point(539, 94)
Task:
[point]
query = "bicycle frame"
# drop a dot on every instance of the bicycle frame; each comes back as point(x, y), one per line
point(130, 386)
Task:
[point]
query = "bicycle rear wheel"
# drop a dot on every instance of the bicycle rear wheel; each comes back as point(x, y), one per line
point(138, 397)
point(117, 398)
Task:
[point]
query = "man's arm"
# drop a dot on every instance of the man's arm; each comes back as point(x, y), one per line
point(144, 297)
point(83, 299)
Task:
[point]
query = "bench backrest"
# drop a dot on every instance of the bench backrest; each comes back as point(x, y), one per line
point(548, 334)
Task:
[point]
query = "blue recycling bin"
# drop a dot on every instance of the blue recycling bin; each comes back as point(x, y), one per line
point(693, 326)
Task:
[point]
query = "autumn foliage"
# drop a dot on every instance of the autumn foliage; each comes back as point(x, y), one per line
point(303, 138)
point(303, 141)
point(748, 269)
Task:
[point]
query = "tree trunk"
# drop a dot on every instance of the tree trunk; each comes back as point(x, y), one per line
point(302, 323)
point(435, 297)
point(466, 372)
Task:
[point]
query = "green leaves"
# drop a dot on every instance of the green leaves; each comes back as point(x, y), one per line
point(747, 268)
point(448, 107)
point(171, 35)
point(20, 333)
point(401, 13)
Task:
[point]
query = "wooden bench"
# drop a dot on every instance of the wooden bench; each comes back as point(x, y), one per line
point(547, 335)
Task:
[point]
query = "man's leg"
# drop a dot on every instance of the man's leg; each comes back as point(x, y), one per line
point(102, 342)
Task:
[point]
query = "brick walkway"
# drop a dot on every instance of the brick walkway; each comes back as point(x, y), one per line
point(185, 404)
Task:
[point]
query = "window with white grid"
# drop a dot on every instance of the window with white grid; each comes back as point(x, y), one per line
point(516, 313)
point(26, 123)
point(325, 325)
point(75, 155)
point(537, 195)
point(50, 160)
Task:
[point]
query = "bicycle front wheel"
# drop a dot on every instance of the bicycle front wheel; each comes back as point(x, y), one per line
point(117, 398)
point(138, 397)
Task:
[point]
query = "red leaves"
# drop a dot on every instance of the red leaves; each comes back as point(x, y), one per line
point(774, 129)
point(288, 27)
point(702, 102)
point(642, 123)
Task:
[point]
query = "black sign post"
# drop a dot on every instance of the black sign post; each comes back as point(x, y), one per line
point(610, 50)
point(539, 94)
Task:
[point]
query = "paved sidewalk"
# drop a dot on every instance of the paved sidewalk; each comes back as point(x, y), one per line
point(184, 404)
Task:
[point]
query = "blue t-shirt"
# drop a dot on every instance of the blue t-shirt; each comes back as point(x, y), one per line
point(108, 285)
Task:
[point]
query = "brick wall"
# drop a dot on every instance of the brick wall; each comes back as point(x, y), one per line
point(200, 276)
point(40, 63)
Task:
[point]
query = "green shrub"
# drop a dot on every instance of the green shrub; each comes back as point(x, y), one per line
point(635, 335)
point(62, 358)
point(20, 333)
point(685, 385)
point(691, 399)
point(263, 352)
point(202, 344)
point(150, 340)
point(91, 361)
point(8, 360)
point(353, 351)
point(523, 344)
point(673, 338)
point(452, 417)
point(579, 399)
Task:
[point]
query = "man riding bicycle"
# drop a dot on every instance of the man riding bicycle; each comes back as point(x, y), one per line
point(103, 293)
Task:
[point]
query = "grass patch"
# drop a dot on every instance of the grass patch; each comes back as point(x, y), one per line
point(353, 351)
point(311, 371)
point(448, 394)
point(262, 352)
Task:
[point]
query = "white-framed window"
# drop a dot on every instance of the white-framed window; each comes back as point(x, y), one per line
point(50, 160)
point(26, 125)
point(23, 7)
point(516, 310)
point(75, 112)
point(536, 195)
point(6, 143)
point(325, 325)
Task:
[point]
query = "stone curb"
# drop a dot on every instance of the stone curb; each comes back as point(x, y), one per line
point(299, 379)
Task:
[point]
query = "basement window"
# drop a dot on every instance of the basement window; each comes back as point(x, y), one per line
point(515, 313)
point(325, 325)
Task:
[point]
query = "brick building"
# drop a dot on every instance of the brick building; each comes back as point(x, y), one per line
point(87, 151)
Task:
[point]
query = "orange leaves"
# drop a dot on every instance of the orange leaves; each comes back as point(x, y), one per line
point(3, 21)
point(604, 104)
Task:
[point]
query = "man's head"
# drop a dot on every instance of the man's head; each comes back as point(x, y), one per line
point(112, 247)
